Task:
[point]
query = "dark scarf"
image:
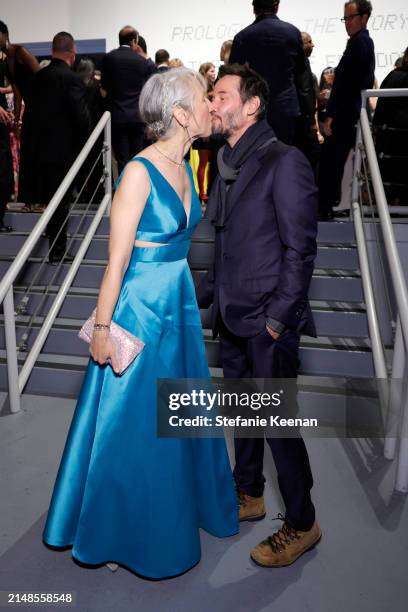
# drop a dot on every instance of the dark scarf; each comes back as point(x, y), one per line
point(230, 162)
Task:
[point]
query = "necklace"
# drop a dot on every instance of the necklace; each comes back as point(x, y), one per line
point(180, 165)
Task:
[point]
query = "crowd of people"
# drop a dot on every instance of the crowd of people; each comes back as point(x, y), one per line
point(317, 116)
point(276, 142)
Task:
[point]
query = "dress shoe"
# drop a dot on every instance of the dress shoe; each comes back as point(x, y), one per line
point(5, 229)
point(326, 215)
point(112, 566)
point(250, 508)
point(56, 259)
point(285, 546)
point(342, 214)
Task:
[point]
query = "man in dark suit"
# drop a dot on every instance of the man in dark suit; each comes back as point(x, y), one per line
point(162, 58)
point(354, 73)
point(307, 130)
point(263, 206)
point(274, 49)
point(142, 50)
point(124, 72)
point(58, 124)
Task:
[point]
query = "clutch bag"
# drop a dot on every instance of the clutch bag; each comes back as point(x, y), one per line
point(126, 345)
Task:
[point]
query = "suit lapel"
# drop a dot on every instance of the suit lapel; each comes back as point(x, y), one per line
point(246, 175)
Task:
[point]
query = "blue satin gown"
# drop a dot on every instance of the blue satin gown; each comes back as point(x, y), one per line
point(122, 494)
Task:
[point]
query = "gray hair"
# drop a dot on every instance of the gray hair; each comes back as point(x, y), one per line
point(162, 93)
point(86, 70)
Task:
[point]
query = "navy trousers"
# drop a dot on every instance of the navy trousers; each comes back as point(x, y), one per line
point(127, 141)
point(263, 357)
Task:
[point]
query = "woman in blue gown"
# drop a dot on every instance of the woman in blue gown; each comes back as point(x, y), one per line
point(122, 494)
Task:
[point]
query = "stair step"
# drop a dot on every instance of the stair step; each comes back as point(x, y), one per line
point(335, 232)
point(61, 375)
point(201, 254)
point(24, 222)
point(344, 285)
point(63, 337)
point(340, 322)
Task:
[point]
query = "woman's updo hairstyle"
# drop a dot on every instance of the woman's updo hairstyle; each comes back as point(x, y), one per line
point(162, 93)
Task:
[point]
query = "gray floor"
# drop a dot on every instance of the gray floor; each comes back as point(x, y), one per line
point(360, 564)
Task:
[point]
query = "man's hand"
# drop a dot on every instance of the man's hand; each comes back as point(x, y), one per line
point(275, 335)
point(327, 126)
point(6, 117)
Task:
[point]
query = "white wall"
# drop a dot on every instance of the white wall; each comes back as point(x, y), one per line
point(194, 30)
point(35, 20)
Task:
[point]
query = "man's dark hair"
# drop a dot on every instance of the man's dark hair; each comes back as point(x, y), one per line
point(142, 44)
point(63, 42)
point(398, 62)
point(3, 28)
point(265, 7)
point(251, 84)
point(127, 34)
point(364, 7)
point(162, 56)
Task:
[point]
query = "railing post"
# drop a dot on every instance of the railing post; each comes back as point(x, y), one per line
point(401, 479)
point(380, 367)
point(396, 399)
point(107, 161)
point(356, 165)
point(11, 348)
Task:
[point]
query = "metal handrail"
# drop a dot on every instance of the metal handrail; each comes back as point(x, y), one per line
point(383, 93)
point(15, 268)
point(380, 367)
point(397, 273)
point(16, 380)
point(399, 284)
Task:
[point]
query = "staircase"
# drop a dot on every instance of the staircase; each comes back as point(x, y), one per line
point(341, 349)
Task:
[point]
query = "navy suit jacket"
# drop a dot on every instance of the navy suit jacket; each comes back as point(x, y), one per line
point(274, 49)
point(124, 73)
point(354, 73)
point(264, 255)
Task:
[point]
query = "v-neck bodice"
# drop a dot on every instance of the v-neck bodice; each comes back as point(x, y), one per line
point(164, 219)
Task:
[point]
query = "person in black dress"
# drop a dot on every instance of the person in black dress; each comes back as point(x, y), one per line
point(21, 67)
point(391, 128)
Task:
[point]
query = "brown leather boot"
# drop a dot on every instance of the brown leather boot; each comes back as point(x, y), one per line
point(285, 546)
point(250, 508)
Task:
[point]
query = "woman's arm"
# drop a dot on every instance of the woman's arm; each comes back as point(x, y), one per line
point(23, 56)
point(6, 90)
point(127, 208)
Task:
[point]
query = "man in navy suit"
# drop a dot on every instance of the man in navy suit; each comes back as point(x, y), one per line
point(124, 72)
point(354, 73)
point(274, 49)
point(263, 206)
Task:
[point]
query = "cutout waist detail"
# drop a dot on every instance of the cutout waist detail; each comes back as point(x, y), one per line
point(164, 253)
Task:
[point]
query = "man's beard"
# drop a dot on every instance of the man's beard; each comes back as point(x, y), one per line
point(226, 127)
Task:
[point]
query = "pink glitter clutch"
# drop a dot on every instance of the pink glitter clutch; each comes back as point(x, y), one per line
point(127, 346)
